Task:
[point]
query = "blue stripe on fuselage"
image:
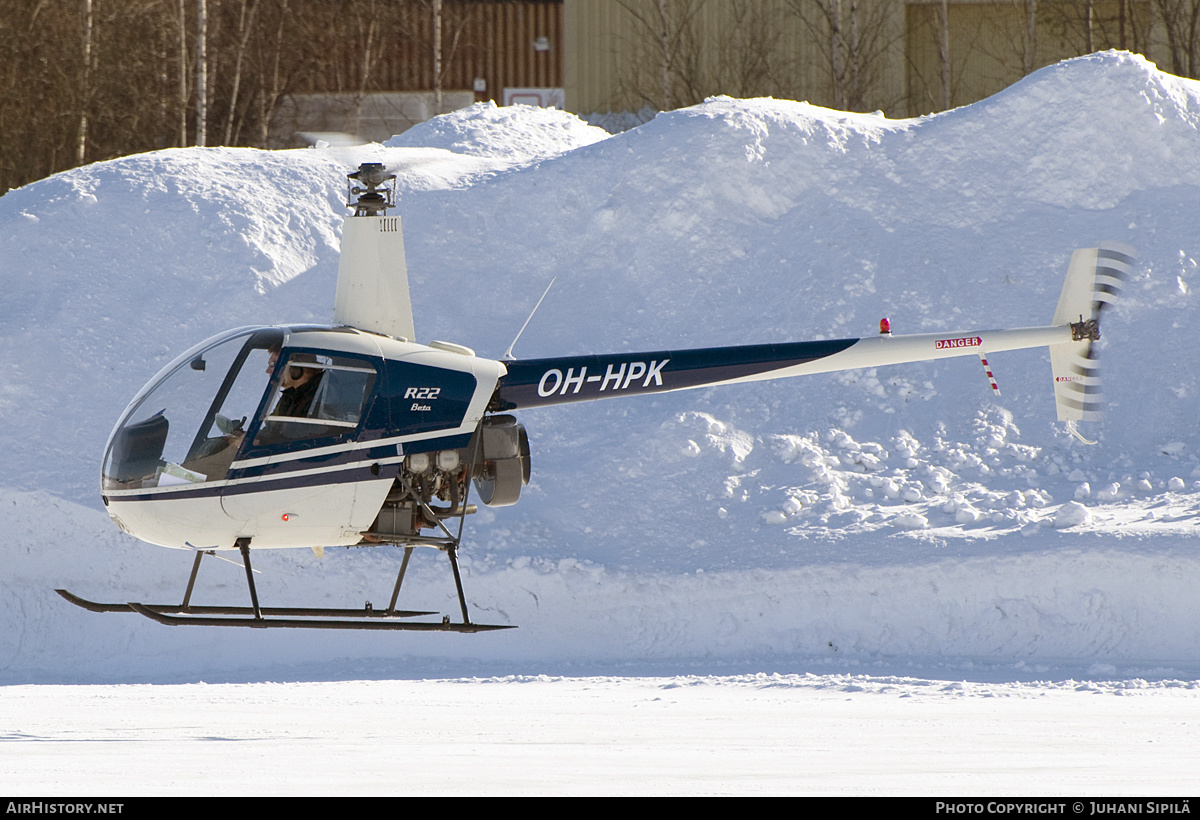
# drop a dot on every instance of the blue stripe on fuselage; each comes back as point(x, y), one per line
point(541, 382)
point(288, 474)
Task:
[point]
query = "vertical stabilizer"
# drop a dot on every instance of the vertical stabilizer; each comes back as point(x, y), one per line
point(1093, 282)
point(372, 284)
point(1076, 382)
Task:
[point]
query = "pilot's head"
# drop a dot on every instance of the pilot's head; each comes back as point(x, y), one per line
point(296, 374)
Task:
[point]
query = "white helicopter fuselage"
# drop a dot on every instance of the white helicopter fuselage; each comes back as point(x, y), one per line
point(173, 477)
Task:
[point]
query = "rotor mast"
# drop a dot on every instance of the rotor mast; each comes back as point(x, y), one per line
point(372, 287)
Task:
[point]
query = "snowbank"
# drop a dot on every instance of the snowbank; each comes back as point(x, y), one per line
point(517, 134)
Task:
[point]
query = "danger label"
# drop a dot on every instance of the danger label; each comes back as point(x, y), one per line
point(969, 341)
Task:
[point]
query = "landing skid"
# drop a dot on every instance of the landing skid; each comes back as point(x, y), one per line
point(258, 617)
point(309, 623)
point(366, 612)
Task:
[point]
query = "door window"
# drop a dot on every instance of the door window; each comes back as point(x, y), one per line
point(314, 396)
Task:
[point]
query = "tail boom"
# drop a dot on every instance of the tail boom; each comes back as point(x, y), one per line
point(564, 380)
point(1093, 281)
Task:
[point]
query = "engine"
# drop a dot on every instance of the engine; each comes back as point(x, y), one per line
point(432, 486)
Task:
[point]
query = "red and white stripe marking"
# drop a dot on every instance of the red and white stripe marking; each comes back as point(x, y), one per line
point(987, 368)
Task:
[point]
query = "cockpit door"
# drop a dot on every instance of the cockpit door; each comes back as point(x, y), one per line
point(300, 477)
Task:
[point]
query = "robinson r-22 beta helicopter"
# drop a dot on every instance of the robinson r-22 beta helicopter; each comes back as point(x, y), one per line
point(354, 434)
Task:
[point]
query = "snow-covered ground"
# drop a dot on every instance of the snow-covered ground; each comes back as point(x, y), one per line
point(899, 523)
point(536, 735)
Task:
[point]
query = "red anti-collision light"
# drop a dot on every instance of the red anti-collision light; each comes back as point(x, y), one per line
point(885, 326)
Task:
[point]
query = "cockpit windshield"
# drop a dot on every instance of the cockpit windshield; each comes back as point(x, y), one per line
point(188, 426)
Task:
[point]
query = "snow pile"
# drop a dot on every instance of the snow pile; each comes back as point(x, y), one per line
point(519, 134)
point(839, 520)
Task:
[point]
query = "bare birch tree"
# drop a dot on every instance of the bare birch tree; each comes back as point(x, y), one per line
point(1031, 61)
point(246, 13)
point(1181, 22)
point(86, 76)
point(183, 73)
point(201, 72)
point(752, 56)
point(944, 52)
point(855, 37)
point(664, 73)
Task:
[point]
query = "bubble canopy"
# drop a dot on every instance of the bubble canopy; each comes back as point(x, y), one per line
point(240, 390)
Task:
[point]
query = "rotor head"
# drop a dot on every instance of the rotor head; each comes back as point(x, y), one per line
point(371, 190)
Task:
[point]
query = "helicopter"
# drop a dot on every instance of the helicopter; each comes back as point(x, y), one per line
point(353, 434)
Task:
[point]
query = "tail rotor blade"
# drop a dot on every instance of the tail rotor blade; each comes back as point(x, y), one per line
point(1094, 279)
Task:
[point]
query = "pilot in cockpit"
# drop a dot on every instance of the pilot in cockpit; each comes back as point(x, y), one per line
point(299, 384)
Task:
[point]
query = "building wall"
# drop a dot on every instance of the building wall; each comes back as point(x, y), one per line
point(505, 43)
point(990, 43)
point(377, 76)
point(511, 45)
point(613, 57)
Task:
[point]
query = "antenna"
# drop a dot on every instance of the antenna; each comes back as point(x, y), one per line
point(508, 356)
